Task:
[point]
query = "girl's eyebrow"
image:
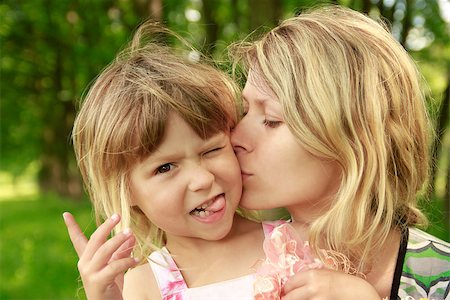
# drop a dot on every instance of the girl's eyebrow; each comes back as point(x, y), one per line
point(159, 156)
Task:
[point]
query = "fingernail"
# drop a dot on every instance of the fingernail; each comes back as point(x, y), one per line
point(127, 231)
point(115, 217)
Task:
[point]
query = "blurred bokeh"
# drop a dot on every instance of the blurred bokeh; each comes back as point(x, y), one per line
point(51, 50)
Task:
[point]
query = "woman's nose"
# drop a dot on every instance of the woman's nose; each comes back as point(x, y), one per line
point(239, 138)
point(200, 178)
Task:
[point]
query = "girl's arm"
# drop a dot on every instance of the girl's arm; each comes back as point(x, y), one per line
point(328, 284)
point(102, 261)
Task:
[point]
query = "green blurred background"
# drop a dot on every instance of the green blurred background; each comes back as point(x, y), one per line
point(52, 49)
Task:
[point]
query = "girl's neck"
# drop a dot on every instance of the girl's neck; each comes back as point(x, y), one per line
point(178, 245)
point(200, 259)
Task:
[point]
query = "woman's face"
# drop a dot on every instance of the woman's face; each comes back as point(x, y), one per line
point(276, 169)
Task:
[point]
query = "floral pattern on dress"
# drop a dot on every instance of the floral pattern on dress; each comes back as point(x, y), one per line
point(286, 254)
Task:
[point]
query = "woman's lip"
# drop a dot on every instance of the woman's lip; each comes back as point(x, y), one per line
point(245, 176)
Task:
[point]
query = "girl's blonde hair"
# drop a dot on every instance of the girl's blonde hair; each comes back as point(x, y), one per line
point(350, 93)
point(123, 117)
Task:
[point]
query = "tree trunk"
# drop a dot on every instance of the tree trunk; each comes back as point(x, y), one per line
point(55, 174)
point(407, 22)
point(366, 5)
point(386, 12)
point(211, 27)
point(441, 125)
point(268, 13)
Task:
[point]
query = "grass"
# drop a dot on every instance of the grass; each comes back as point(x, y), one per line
point(37, 260)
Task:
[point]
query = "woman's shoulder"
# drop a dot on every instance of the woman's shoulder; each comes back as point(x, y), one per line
point(426, 254)
point(418, 239)
point(426, 267)
point(140, 283)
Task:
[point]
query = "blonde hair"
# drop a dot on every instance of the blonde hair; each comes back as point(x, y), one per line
point(123, 117)
point(350, 93)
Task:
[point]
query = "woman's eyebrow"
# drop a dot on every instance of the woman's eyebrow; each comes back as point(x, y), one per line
point(258, 100)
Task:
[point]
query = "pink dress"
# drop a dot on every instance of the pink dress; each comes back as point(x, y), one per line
point(285, 252)
point(173, 286)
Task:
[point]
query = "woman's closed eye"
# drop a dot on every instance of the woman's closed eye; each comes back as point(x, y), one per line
point(164, 168)
point(271, 123)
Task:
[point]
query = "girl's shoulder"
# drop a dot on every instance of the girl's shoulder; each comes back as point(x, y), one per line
point(140, 283)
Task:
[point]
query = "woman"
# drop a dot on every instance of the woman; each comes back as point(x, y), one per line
point(335, 129)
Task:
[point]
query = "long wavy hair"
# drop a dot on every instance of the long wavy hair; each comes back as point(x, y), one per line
point(350, 93)
point(123, 117)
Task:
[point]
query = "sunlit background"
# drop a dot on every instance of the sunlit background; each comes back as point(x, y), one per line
point(52, 49)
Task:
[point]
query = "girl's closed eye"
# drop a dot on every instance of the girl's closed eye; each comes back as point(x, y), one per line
point(164, 168)
point(214, 149)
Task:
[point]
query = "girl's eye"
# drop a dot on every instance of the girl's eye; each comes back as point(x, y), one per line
point(164, 168)
point(214, 150)
point(271, 124)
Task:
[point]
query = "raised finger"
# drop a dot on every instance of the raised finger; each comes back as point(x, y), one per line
point(77, 236)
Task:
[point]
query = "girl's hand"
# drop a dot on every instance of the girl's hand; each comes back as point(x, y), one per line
point(321, 284)
point(102, 261)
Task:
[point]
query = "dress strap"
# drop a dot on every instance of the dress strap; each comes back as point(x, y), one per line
point(169, 278)
point(399, 265)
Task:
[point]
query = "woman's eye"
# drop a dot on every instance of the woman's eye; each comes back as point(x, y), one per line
point(164, 168)
point(271, 124)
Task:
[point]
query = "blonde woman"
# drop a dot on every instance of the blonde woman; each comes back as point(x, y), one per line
point(335, 129)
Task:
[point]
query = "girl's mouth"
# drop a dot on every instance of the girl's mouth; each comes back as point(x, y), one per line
point(207, 210)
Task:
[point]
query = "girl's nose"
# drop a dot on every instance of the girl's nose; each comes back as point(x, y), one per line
point(201, 178)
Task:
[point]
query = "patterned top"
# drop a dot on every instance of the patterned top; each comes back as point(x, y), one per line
point(423, 268)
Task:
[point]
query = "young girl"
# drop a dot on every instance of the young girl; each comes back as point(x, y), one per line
point(335, 130)
point(152, 143)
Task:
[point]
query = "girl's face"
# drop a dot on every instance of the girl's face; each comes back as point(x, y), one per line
point(276, 170)
point(189, 187)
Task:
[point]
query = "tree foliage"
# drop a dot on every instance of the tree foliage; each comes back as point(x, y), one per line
point(51, 50)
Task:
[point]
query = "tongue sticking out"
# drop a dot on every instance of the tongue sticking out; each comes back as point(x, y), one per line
point(217, 204)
